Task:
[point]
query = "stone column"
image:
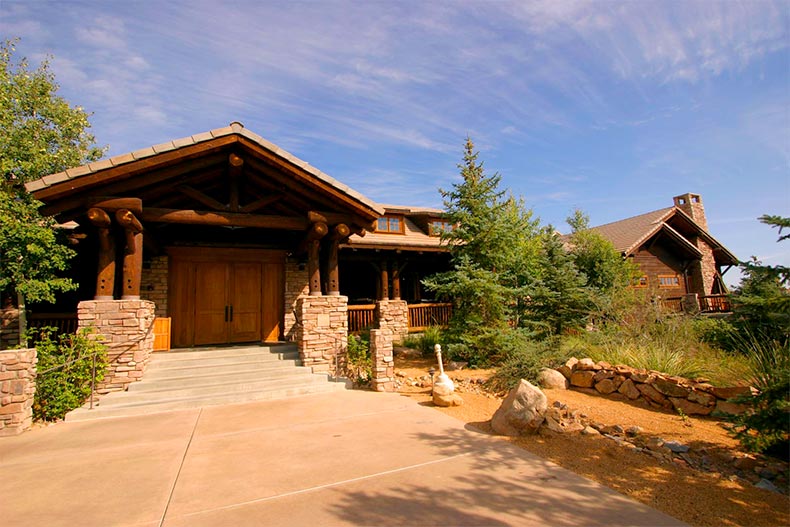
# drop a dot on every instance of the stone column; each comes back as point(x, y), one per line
point(126, 327)
point(383, 365)
point(322, 336)
point(9, 327)
point(393, 315)
point(17, 390)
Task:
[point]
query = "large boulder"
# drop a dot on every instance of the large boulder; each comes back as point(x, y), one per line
point(522, 412)
point(552, 379)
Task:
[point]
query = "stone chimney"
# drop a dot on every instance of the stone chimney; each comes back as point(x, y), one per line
point(691, 204)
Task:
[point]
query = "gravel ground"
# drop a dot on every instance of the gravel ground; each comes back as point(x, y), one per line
point(694, 496)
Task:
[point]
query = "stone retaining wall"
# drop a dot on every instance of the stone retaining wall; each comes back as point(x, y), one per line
point(127, 329)
point(296, 286)
point(17, 390)
point(657, 389)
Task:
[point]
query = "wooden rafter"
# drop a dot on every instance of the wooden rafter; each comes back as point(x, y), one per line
point(194, 217)
point(202, 198)
point(261, 203)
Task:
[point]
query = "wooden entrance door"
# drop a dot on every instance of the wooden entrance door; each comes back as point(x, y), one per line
point(219, 297)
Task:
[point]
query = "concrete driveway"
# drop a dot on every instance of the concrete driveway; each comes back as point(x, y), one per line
point(346, 458)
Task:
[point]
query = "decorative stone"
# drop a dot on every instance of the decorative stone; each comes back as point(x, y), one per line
point(676, 447)
point(633, 431)
point(521, 412)
point(702, 398)
point(583, 378)
point(628, 388)
point(732, 391)
point(652, 394)
point(670, 388)
point(567, 368)
point(728, 408)
point(767, 485)
point(552, 379)
point(689, 408)
point(590, 431)
point(586, 364)
point(605, 387)
point(446, 400)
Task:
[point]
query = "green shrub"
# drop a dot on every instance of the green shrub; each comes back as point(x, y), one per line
point(715, 331)
point(359, 363)
point(65, 362)
point(425, 341)
point(765, 427)
point(524, 360)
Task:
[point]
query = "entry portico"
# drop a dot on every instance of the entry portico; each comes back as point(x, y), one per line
point(232, 237)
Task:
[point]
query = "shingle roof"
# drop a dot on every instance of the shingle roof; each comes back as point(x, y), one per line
point(628, 234)
point(233, 128)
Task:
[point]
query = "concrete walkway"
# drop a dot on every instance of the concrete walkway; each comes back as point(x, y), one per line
point(345, 458)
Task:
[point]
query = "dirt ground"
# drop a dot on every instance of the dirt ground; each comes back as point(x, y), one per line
point(698, 497)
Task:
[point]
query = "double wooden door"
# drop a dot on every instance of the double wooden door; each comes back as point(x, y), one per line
point(228, 296)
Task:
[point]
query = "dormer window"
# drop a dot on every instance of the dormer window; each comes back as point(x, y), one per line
point(437, 227)
point(390, 224)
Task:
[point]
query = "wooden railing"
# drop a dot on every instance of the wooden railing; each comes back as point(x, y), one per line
point(673, 304)
point(422, 316)
point(64, 322)
point(361, 317)
point(715, 304)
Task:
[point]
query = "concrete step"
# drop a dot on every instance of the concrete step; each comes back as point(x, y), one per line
point(203, 390)
point(102, 412)
point(208, 377)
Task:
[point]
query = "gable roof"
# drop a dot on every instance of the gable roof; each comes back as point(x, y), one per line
point(415, 236)
point(630, 234)
point(104, 173)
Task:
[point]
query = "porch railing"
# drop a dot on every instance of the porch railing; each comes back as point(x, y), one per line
point(422, 316)
point(64, 322)
point(715, 304)
point(361, 317)
point(673, 304)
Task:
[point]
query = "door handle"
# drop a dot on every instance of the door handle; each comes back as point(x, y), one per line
point(226, 313)
point(231, 313)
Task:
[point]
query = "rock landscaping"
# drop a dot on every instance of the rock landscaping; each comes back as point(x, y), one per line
point(686, 396)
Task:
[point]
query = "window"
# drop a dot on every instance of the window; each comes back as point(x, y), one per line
point(641, 281)
point(437, 227)
point(668, 280)
point(390, 224)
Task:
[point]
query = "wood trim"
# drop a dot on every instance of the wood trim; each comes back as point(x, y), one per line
point(211, 254)
point(196, 217)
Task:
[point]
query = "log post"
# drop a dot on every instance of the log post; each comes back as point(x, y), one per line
point(395, 282)
point(339, 232)
point(133, 254)
point(235, 165)
point(385, 286)
point(312, 243)
point(105, 275)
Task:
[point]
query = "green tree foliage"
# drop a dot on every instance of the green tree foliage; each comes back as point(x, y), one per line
point(761, 302)
point(561, 299)
point(42, 133)
point(31, 256)
point(596, 257)
point(494, 250)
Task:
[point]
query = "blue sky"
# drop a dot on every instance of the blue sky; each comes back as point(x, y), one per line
point(612, 107)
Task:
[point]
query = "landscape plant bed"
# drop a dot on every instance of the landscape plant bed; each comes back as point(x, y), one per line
point(715, 486)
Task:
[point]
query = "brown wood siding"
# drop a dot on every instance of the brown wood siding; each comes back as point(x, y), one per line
point(657, 260)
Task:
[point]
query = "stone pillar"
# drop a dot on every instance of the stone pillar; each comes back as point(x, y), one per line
point(381, 355)
point(17, 390)
point(126, 327)
point(296, 285)
point(690, 303)
point(9, 327)
point(393, 315)
point(322, 336)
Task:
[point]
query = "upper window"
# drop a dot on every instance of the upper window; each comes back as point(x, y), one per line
point(437, 227)
point(640, 281)
point(668, 280)
point(390, 224)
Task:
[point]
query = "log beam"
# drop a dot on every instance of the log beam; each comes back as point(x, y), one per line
point(235, 166)
point(112, 204)
point(339, 232)
point(105, 276)
point(195, 217)
point(384, 280)
point(395, 282)
point(133, 254)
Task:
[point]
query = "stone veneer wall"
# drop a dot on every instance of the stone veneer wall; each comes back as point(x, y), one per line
point(393, 315)
point(9, 328)
point(659, 390)
point(17, 390)
point(383, 365)
point(126, 327)
point(154, 284)
point(707, 266)
point(296, 285)
point(322, 336)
